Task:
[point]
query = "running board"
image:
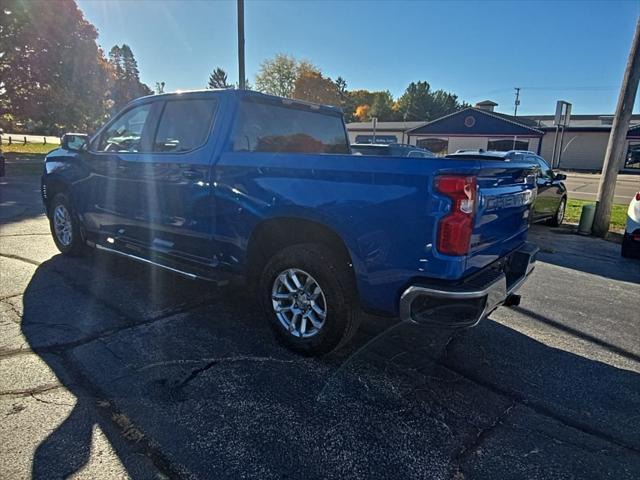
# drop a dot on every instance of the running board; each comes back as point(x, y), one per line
point(149, 262)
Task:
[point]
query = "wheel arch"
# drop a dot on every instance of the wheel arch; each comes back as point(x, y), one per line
point(274, 234)
point(52, 186)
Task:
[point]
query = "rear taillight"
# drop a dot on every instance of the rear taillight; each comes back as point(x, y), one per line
point(638, 196)
point(454, 230)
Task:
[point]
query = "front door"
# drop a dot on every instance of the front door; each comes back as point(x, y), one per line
point(106, 196)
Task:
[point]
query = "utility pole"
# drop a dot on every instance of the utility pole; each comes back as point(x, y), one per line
point(517, 102)
point(617, 140)
point(242, 77)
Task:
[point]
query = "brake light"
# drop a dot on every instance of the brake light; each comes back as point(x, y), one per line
point(638, 196)
point(454, 230)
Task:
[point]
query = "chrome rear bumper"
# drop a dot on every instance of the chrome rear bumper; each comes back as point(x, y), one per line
point(465, 304)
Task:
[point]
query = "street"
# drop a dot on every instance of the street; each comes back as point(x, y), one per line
point(584, 186)
point(111, 369)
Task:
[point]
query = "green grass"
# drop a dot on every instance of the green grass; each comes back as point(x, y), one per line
point(37, 148)
point(618, 214)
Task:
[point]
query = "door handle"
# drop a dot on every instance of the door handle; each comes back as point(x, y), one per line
point(192, 174)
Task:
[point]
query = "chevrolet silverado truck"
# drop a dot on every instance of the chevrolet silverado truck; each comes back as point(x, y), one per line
point(213, 184)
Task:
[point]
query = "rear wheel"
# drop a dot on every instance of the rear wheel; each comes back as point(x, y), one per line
point(65, 227)
point(558, 218)
point(308, 296)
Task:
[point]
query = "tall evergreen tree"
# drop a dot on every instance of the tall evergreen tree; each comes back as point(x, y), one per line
point(130, 70)
point(126, 76)
point(218, 79)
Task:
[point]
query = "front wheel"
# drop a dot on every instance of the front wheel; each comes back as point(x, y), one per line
point(65, 227)
point(558, 218)
point(308, 295)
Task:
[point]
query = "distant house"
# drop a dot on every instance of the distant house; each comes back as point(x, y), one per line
point(584, 143)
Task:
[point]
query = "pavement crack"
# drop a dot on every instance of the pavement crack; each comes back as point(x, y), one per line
point(214, 361)
point(48, 402)
point(482, 434)
point(30, 391)
point(195, 373)
point(541, 409)
point(20, 258)
point(25, 234)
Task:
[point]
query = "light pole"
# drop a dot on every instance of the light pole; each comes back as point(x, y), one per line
point(241, 74)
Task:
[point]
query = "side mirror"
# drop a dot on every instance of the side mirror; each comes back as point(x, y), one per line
point(560, 176)
point(76, 142)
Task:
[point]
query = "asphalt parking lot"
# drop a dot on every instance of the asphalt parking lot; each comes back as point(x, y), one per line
point(110, 369)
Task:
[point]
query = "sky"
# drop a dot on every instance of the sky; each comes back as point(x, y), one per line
point(574, 51)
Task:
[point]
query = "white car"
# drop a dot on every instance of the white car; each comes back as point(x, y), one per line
point(631, 240)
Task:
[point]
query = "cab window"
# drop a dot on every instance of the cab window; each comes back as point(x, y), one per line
point(264, 127)
point(184, 125)
point(124, 135)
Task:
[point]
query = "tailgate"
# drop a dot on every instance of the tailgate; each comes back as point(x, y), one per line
point(506, 192)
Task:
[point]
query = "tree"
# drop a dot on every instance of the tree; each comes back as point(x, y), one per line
point(159, 87)
point(443, 104)
point(419, 103)
point(415, 102)
point(278, 76)
point(126, 84)
point(53, 76)
point(382, 106)
point(362, 113)
point(313, 87)
point(341, 83)
point(218, 79)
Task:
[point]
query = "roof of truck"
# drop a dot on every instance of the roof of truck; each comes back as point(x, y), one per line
point(246, 93)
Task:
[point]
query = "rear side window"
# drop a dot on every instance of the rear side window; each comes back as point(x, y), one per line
point(184, 125)
point(263, 127)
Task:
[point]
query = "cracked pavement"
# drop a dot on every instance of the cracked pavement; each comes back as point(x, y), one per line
point(110, 369)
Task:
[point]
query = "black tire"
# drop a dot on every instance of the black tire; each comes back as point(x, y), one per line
point(75, 246)
point(558, 218)
point(335, 280)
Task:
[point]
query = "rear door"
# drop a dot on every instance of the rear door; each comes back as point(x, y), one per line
point(173, 213)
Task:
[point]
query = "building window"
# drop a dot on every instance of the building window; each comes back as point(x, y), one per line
point(439, 146)
point(632, 158)
point(384, 139)
point(506, 144)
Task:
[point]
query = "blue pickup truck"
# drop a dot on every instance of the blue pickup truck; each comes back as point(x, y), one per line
point(213, 184)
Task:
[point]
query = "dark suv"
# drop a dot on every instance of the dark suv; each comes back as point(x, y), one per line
point(391, 149)
point(551, 201)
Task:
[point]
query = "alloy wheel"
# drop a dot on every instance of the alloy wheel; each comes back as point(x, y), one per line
point(62, 225)
point(299, 303)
